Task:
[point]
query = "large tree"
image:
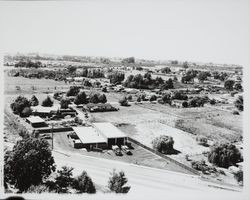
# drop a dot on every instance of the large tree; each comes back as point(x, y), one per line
point(19, 104)
point(224, 155)
point(65, 103)
point(81, 98)
point(73, 91)
point(163, 144)
point(64, 179)
point(117, 182)
point(29, 163)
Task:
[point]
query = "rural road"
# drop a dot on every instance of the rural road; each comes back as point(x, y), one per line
point(141, 179)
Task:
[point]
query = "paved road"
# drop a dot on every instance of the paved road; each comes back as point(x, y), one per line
point(141, 179)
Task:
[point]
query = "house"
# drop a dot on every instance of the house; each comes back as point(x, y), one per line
point(36, 121)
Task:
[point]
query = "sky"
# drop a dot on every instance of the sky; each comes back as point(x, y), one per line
point(194, 30)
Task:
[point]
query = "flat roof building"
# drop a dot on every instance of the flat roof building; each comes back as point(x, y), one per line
point(36, 121)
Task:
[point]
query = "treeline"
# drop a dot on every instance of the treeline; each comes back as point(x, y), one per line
point(147, 82)
point(116, 77)
point(93, 73)
point(29, 64)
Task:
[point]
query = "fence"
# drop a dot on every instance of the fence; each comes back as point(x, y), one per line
point(165, 157)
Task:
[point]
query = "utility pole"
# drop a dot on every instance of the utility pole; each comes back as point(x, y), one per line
point(52, 134)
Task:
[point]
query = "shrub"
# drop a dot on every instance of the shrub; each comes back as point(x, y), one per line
point(123, 101)
point(94, 98)
point(26, 112)
point(65, 103)
point(224, 155)
point(47, 102)
point(239, 176)
point(130, 97)
point(229, 84)
point(84, 184)
point(235, 112)
point(153, 98)
point(201, 140)
point(239, 103)
point(185, 104)
point(117, 182)
point(212, 102)
point(138, 99)
point(163, 144)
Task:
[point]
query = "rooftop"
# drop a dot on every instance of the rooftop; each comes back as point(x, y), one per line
point(35, 119)
point(89, 135)
point(43, 109)
point(109, 130)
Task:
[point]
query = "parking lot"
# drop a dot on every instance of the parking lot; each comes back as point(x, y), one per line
point(139, 155)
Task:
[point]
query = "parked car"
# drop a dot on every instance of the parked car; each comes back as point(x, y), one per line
point(117, 150)
point(126, 150)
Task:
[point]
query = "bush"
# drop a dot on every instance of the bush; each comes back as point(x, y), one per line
point(235, 112)
point(84, 184)
point(130, 97)
point(239, 176)
point(123, 101)
point(229, 84)
point(26, 112)
point(224, 155)
point(163, 144)
point(65, 103)
point(117, 182)
point(153, 98)
point(185, 104)
point(201, 140)
point(138, 99)
point(212, 102)
point(239, 103)
point(94, 98)
point(47, 102)
point(34, 101)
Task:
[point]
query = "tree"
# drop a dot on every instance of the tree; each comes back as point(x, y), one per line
point(84, 184)
point(239, 103)
point(34, 101)
point(94, 98)
point(224, 155)
point(168, 84)
point(64, 179)
point(179, 95)
point(47, 102)
point(166, 70)
point(81, 98)
point(202, 76)
point(116, 77)
point(28, 163)
point(65, 103)
point(185, 65)
point(239, 176)
point(102, 98)
point(138, 99)
point(163, 144)
point(153, 98)
point(72, 69)
point(117, 182)
point(73, 91)
point(26, 112)
point(166, 98)
point(128, 60)
point(19, 104)
point(238, 86)
point(185, 104)
point(228, 85)
point(123, 101)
